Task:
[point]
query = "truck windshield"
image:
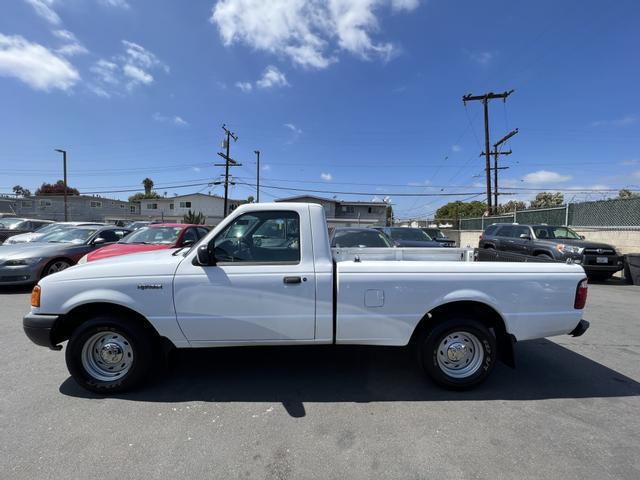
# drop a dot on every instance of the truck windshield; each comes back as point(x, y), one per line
point(410, 234)
point(555, 232)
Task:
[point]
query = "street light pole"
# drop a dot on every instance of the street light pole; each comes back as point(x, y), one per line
point(64, 167)
point(257, 152)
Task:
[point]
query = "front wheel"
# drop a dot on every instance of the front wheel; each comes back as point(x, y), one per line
point(109, 355)
point(55, 267)
point(459, 353)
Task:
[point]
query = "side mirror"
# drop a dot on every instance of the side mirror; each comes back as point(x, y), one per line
point(204, 257)
point(99, 241)
point(524, 236)
point(188, 243)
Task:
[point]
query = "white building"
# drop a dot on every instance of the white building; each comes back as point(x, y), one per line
point(174, 208)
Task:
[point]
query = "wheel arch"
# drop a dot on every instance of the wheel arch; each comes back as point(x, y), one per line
point(482, 312)
point(55, 259)
point(67, 323)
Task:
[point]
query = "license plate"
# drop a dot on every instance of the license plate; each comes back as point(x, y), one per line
point(602, 260)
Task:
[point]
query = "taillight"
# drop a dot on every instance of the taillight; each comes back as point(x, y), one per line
point(480, 237)
point(581, 295)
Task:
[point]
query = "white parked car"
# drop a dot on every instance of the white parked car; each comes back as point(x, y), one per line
point(45, 230)
point(266, 276)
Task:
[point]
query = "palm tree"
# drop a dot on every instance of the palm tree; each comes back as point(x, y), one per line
point(194, 218)
point(147, 183)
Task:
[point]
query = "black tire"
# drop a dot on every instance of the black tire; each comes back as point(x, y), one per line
point(433, 357)
point(62, 264)
point(134, 342)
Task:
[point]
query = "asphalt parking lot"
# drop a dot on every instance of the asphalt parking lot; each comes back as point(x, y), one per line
point(570, 410)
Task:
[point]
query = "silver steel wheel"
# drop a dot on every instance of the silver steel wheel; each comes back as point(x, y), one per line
point(460, 354)
point(107, 356)
point(57, 266)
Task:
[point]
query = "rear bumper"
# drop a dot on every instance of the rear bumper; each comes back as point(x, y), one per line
point(39, 327)
point(582, 327)
point(602, 268)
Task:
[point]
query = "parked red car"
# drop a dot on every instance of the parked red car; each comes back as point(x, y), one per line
point(153, 237)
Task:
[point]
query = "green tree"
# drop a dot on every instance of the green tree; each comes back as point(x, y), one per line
point(194, 218)
point(20, 191)
point(250, 199)
point(547, 200)
point(142, 196)
point(147, 183)
point(56, 189)
point(623, 193)
point(511, 205)
point(459, 209)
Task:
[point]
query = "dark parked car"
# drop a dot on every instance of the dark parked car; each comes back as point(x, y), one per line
point(26, 263)
point(408, 237)
point(599, 260)
point(437, 235)
point(347, 237)
point(15, 226)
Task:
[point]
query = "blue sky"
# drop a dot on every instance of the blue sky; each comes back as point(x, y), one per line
point(342, 96)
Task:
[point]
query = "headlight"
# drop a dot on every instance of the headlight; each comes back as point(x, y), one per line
point(83, 260)
point(562, 248)
point(21, 262)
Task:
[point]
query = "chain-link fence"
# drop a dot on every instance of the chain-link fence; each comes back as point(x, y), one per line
point(603, 213)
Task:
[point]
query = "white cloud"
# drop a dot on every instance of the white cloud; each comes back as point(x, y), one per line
point(623, 121)
point(246, 87)
point(272, 77)
point(35, 65)
point(481, 58)
point(71, 46)
point(44, 10)
point(176, 119)
point(308, 32)
point(327, 177)
point(293, 128)
point(116, 4)
point(266, 167)
point(630, 162)
point(137, 75)
point(129, 70)
point(196, 169)
point(545, 176)
point(456, 148)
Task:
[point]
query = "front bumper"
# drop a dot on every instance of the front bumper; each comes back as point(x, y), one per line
point(582, 327)
point(39, 329)
point(19, 275)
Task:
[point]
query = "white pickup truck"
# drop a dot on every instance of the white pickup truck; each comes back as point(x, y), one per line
point(266, 276)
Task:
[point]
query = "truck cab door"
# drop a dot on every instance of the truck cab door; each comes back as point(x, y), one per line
point(258, 285)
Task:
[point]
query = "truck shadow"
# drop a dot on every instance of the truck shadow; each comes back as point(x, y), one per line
point(294, 375)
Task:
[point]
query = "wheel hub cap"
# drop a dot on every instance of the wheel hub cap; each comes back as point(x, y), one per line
point(460, 354)
point(456, 351)
point(111, 353)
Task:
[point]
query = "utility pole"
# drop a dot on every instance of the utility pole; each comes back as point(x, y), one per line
point(496, 153)
point(64, 168)
point(487, 152)
point(229, 162)
point(257, 152)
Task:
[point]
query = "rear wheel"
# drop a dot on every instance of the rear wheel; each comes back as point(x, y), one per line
point(458, 353)
point(109, 355)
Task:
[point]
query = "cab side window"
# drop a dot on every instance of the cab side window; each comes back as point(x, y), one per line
point(260, 237)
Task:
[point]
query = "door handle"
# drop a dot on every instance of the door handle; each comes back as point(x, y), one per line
point(292, 280)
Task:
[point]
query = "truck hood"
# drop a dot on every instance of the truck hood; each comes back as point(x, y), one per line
point(146, 264)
